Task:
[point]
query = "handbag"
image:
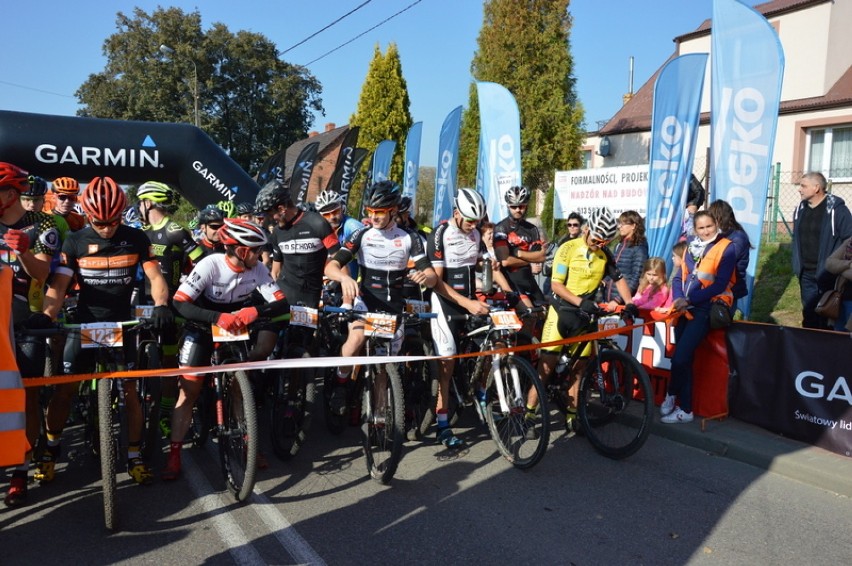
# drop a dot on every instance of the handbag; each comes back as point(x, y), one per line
point(720, 315)
point(830, 302)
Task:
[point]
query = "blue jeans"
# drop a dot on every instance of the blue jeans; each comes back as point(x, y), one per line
point(688, 336)
point(810, 294)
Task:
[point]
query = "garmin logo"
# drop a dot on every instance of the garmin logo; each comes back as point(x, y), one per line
point(674, 144)
point(214, 181)
point(98, 156)
point(814, 386)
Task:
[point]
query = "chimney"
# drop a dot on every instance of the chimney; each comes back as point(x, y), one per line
point(313, 133)
point(330, 126)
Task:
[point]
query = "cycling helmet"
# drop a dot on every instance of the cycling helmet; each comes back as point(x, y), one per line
point(14, 176)
point(131, 216)
point(273, 194)
point(602, 224)
point(227, 208)
point(328, 200)
point(239, 232)
point(245, 208)
point(103, 199)
point(37, 187)
point(470, 204)
point(66, 186)
point(404, 205)
point(516, 196)
point(158, 193)
point(210, 214)
point(384, 194)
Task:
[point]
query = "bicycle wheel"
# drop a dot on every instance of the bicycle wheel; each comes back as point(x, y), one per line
point(203, 416)
point(238, 434)
point(615, 404)
point(382, 423)
point(292, 413)
point(107, 450)
point(149, 393)
point(420, 384)
point(520, 438)
point(335, 423)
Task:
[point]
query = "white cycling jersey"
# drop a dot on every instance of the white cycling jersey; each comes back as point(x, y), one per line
point(215, 285)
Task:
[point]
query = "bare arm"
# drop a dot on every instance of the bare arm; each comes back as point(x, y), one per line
point(159, 287)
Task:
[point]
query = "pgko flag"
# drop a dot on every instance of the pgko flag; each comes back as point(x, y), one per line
point(412, 162)
point(747, 69)
point(499, 146)
point(448, 162)
point(382, 158)
point(674, 127)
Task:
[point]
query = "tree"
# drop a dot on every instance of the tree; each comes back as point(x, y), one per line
point(383, 107)
point(524, 45)
point(250, 102)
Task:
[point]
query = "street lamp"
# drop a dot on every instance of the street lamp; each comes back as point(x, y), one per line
point(168, 51)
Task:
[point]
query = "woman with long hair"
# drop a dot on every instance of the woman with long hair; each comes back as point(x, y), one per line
point(726, 220)
point(631, 253)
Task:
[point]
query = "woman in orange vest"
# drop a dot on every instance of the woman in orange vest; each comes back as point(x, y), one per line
point(707, 275)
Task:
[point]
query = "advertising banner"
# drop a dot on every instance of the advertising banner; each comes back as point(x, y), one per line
point(412, 163)
point(382, 158)
point(619, 188)
point(448, 163)
point(499, 146)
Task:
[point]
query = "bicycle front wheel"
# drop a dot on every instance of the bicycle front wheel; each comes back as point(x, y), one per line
point(615, 404)
point(382, 422)
point(238, 434)
point(106, 450)
point(520, 437)
point(420, 381)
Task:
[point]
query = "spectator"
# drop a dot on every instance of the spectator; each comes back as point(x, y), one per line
point(820, 223)
point(631, 252)
point(724, 216)
point(694, 199)
point(653, 291)
point(840, 264)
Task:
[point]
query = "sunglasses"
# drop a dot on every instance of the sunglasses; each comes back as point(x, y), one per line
point(517, 206)
point(598, 242)
point(573, 225)
point(378, 211)
point(66, 197)
point(471, 220)
point(106, 223)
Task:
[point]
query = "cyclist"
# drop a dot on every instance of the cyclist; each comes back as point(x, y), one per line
point(519, 243)
point(383, 250)
point(455, 248)
point(33, 198)
point(214, 293)
point(65, 190)
point(103, 258)
point(28, 241)
point(175, 250)
point(246, 211)
point(210, 220)
point(330, 205)
point(578, 268)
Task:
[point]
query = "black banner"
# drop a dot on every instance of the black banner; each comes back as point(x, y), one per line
point(793, 381)
point(128, 151)
point(301, 175)
point(344, 169)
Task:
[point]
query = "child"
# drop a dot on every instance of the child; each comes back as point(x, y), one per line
point(653, 291)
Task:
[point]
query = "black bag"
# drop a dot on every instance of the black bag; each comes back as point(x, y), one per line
point(720, 315)
point(830, 302)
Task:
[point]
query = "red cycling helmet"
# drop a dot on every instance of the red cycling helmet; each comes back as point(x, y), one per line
point(66, 186)
point(240, 232)
point(15, 177)
point(103, 200)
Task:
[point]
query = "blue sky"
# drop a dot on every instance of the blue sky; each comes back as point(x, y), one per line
point(52, 46)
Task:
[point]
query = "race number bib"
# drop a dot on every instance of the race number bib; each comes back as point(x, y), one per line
point(143, 311)
point(609, 322)
point(414, 306)
point(303, 316)
point(380, 325)
point(100, 334)
point(506, 320)
point(221, 335)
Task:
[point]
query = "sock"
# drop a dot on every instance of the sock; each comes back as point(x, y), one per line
point(175, 446)
point(53, 438)
point(342, 378)
point(443, 422)
point(530, 410)
point(167, 404)
point(133, 450)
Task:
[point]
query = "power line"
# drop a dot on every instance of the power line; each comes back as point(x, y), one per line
point(326, 27)
point(36, 89)
point(363, 33)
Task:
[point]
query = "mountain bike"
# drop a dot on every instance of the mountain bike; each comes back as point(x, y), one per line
point(419, 377)
point(615, 401)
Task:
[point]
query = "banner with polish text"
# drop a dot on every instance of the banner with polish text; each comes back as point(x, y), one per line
point(674, 128)
point(747, 70)
point(412, 164)
point(448, 161)
point(619, 188)
point(499, 146)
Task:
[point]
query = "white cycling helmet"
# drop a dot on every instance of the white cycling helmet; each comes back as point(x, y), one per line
point(328, 200)
point(470, 204)
point(602, 224)
point(517, 196)
point(240, 232)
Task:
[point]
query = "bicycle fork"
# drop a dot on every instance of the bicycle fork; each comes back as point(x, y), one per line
point(517, 393)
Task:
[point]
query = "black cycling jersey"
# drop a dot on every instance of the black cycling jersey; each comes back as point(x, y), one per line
point(105, 270)
point(522, 235)
point(302, 248)
point(383, 256)
point(172, 245)
point(457, 253)
point(209, 248)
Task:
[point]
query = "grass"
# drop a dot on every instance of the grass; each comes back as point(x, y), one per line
point(776, 291)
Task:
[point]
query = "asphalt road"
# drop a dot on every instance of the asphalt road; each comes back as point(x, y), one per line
point(668, 504)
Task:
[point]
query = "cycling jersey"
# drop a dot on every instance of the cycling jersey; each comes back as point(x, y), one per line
point(457, 253)
point(28, 294)
point(210, 248)
point(105, 270)
point(383, 256)
point(172, 245)
point(302, 248)
point(522, 235)
point(349, 226)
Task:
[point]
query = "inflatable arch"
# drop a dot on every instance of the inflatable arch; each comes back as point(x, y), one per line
point(130, 152)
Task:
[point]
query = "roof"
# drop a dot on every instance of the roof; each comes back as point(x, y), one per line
point(635, 116)
point(325, 140)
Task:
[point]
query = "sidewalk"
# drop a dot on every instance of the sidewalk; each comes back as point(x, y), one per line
point(758, 447)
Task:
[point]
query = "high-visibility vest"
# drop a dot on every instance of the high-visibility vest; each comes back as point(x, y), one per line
point(13, 435)
point(707, 267)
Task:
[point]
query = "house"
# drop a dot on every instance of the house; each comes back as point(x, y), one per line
point(815, 115)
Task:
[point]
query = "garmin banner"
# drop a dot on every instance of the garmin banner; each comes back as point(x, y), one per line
point(301, 174)
point(448, 164)
point(499, 146)
point(412, 164)
point(674, 128)
point(793, 381)
point(747, 70)
point(345, 170)
point(128, 151)
point(382, 158)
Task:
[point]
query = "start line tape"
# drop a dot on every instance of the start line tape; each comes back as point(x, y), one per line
point(320, 362)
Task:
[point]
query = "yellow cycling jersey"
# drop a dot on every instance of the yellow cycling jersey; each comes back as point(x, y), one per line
point(581, 269)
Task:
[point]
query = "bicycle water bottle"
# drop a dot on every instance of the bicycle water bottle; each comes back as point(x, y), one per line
point(487, 277)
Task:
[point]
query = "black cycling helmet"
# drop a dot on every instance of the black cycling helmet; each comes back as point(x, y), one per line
point(405, 205)
point(274, 193)
point(517, 196)
point(245, 208)
point(384, 194)
point(38, 187)
point(211, 214)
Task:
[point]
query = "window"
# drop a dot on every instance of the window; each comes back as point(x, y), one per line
point(830, 152)
point(587, 159)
